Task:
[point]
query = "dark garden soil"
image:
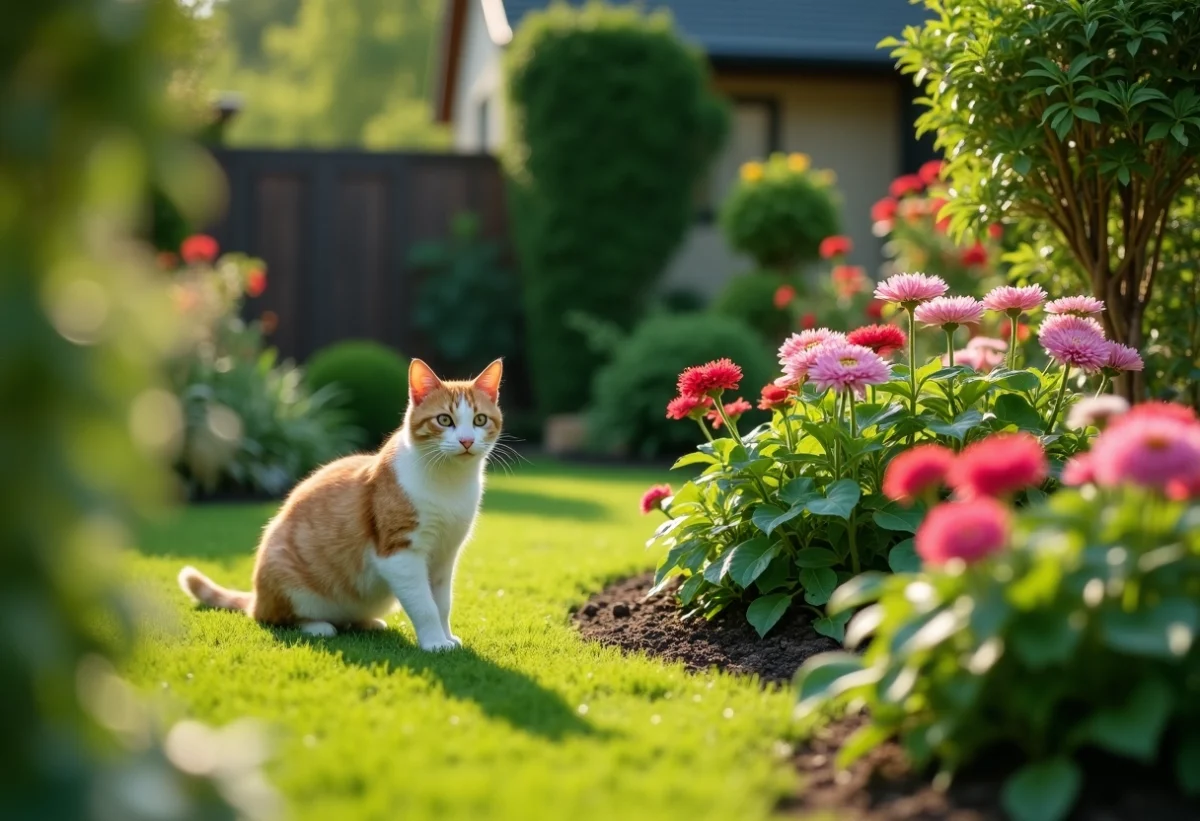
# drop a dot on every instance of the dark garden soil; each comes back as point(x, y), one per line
point(880, 786)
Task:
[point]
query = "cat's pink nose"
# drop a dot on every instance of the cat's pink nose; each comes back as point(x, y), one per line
point(466, 442)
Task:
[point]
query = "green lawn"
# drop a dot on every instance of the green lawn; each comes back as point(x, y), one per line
point(527, 721)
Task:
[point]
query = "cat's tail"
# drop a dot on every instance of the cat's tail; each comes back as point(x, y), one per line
point(206, 591)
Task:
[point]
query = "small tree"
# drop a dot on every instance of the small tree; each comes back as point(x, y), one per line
point(612, 126)
point(1083, 114)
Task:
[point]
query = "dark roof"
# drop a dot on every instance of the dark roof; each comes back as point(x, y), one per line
point(817, 31)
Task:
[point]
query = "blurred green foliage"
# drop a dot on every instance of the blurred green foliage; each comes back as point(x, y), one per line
point(750, 297)
point(83, 324)
point(629, 400)
point(327, 73)
point(373, 381)
point(612, 125)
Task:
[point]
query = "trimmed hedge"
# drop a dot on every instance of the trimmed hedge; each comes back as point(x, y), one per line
point(374, 379)
point(612, 126)
point(750, 298)
point(631, 392)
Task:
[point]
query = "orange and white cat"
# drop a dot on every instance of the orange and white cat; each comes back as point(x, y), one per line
point(368, 530)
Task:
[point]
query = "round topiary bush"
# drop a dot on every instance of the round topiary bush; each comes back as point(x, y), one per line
point(751, 298)
point(374, 379)
point(780, 211)
point(631, 392)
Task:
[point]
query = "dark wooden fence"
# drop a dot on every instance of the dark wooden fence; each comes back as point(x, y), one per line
point(336, 228)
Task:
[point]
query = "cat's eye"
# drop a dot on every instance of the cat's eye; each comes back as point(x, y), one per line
point(480, 420)
point(445, 420)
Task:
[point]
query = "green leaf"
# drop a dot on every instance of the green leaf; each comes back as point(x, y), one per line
point(833, 626)
point(815, 557)
point(1043, 791)
point(861, 741)
point(840, 499)
point(1165, 630)
point(1187, 764)
point(862, 588)
point(768, 517)
point(960, 427)
point(1015, 380)
point(1045, 638)
point(1178, 132)
point(902, 519)
point(1014, 409)
point(689, 589)
point(1158, 131)
point(748, 560)
point(817, 678)
point(818, 583)
point(776, 574)
point(798, 491)
point(903, 558)
point(1134, 729)
point(696, 458)
point(766, 611)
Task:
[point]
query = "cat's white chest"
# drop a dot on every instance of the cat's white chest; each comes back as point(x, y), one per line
point(446, 509)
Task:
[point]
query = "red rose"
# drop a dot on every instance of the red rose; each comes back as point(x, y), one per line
point(199, 248)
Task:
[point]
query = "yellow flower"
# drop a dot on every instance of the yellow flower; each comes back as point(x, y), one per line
point(752, 172)
point(799, 162)
point(826, 176)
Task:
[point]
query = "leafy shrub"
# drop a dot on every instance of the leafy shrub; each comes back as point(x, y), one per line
point(1081, 116)
point(468, 304)
point(780, 211)
point(750, 298)
point(602, 163)
point(632, 389)
point(373, 382)
point(1079, 636)
point(796, 506)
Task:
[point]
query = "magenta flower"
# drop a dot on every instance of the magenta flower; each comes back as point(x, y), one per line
point(1071, 322)
point(910, 289)
point(799, 351)
point(1152, 451)
point(1014, 301)
point(948, 312)
point(969, 531)
point(1077, 305)
point(1123, 358)
point(848, 367)
point(1077, 347)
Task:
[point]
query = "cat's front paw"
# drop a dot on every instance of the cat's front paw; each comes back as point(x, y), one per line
point(440, 645)
point(457, 641)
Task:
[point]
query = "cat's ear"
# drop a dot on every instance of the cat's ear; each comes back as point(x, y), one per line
point(489, 380)
point(422, 381)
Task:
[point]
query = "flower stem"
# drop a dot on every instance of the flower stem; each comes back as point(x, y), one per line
point(1103, 384)
point(728, 422)
point(950, 357)
point(704, 430)
point(1012, 343)
point(855, 565)
point(912, 357)
point(787, 429)
point(1062, 390)
point(853, 420)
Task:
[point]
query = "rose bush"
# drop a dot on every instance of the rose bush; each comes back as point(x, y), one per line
point(784, 513)
point(1064, 628)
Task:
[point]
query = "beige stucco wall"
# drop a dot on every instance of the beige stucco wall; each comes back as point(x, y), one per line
point(478, 79)
point(849, 125)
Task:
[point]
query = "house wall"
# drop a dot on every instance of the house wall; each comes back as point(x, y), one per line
point(851, 125)
point(478, 116)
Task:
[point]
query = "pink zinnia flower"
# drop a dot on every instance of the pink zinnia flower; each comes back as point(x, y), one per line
point(910, 289)
point(199, 248)
point(773, 397)
point(835, 246)
point(1072, 322)
point(882, 339)
point(1096, 411)
point(799, 351)
point(978, 358)
point(1123, 358)
point(1077, 346)
point(962, 530)
point(710, 379)
point(917, 472)
point(1078, 471)
point(1152, 451)
point(848, 367)
point(999, 465)
point(688, 407)
point(949, 312)
point(733, 410)
point(1077, 305)
point(653, 497)
point(1162, 410)
point(1014, 301)
point(988, 343)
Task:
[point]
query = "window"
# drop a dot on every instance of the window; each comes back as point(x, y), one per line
point(753, 135)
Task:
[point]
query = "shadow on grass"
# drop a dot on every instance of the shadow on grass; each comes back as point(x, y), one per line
point(500, 692)
point(526, 503)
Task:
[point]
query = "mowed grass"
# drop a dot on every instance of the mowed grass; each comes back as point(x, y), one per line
point(527, 721)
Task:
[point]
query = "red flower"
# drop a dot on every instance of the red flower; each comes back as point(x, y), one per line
point(710, 379)
point(917, 472)
point(808, 321)
point(848, 280)
point(975, 255)
point(653, 497)
point(930, 172)
point(733, 410)
point(874, 309)
point(882, 339)
point(962, 530)
point(1022, 331)
point(256, 282)
point(996, 231)
point(884, 210)
point(773, 397)
point(167, 261)
point(199, 248)
point(999, 465)
point(688, 407)
point(905, 185)
point(784, 295)
point(835, 246)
